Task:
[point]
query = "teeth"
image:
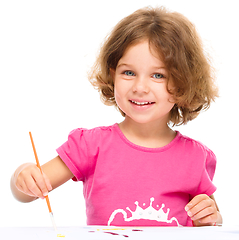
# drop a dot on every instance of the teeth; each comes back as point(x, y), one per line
point(140, 103)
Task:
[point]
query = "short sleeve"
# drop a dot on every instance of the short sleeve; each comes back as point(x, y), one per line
point(74, 153)
point(206, 185)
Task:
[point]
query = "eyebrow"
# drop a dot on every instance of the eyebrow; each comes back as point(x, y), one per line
point(124, 65)
point(130, 66)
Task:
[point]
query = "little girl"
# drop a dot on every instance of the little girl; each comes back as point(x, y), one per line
point(140, 172)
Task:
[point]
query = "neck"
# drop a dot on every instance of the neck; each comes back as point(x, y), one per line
point(153, 134)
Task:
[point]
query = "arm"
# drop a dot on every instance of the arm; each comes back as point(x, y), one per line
point(28, 184)
point(204, 211)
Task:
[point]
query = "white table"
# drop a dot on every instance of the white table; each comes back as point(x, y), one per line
point(118, 233)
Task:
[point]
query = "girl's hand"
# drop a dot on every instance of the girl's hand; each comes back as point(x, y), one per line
point(203, 210)
point(29, 180)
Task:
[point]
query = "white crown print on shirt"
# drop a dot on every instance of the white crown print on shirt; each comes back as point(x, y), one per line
point(148, 214)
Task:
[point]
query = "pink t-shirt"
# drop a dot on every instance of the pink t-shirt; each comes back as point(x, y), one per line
point(129, 185)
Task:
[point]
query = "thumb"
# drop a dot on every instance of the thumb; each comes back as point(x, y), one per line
point(47, 181)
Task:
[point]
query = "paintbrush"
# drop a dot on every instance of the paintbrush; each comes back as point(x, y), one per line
point(46, 197)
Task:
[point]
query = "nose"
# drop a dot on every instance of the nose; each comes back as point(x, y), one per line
point(140, 85)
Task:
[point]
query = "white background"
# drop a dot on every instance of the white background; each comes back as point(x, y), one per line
point(46, 49)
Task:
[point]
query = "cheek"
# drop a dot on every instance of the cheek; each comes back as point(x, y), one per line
point(165, 99)
point(162, 92)
point(122, 90)
point(118, 93)
point(166, 93)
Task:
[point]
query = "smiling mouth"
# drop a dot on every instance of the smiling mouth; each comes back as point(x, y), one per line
point(141, 103)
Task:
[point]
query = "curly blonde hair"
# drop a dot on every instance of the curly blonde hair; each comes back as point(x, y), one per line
point(177, 43)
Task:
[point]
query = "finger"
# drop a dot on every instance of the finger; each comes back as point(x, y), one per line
point(24, 189)
point(195, 201)
point(209, 219)
point(33, 187)
point(203, 213)
point(40, 182)
point(47, 181)
point(199, 207)
point(21, 186)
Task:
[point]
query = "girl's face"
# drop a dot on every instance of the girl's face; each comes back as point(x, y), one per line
point(140, 85)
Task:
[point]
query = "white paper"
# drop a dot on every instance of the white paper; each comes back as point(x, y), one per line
point(118, 233)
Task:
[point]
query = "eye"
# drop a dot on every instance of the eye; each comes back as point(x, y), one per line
point(129, 73)
point(158, 76)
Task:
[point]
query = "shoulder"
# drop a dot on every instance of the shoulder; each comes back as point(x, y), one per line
point(92, 131)
point(199, 155)
point(88, 141)
point(194, 145)
point(91, 135)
